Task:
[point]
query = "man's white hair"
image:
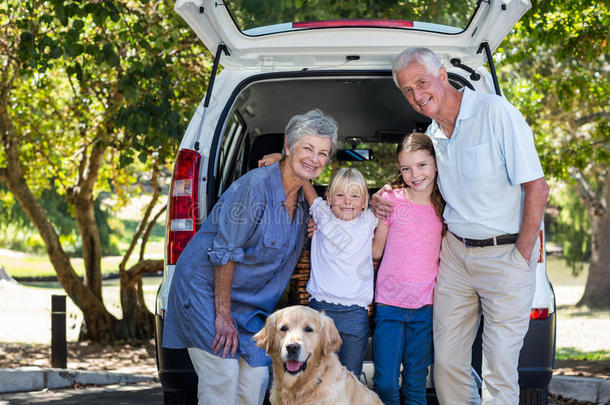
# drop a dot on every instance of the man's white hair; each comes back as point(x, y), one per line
point(423, 56)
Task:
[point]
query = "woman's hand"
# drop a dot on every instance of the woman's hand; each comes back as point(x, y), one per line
point(381, 208)
point(270, 159)
point(226, 332)
point(226, 335)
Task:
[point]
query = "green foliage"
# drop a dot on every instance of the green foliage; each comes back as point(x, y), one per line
point(133, 65)
point(18, 232)
point(130, 226)
point(17, 228)
point(571, 228)
point(120, 76)
point(11, 213)
point(556, 63)
point(21, 238)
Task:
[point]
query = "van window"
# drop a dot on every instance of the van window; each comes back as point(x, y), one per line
point(447, 17)
point(231, 159)
point(377, 172)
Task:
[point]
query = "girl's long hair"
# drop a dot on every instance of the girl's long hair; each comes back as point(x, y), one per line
point(412, 143)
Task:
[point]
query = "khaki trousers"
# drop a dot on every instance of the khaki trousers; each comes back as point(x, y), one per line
point(227, 381)
point(495, 281)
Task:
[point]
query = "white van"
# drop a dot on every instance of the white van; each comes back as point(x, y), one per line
point(337, 57)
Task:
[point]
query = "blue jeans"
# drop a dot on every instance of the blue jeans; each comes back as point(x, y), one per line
point(402, 336)
point(352, 322)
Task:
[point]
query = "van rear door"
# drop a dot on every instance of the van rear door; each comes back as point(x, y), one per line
point(345, 35)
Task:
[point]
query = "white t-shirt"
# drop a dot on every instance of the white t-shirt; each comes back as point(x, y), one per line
point(341, 257)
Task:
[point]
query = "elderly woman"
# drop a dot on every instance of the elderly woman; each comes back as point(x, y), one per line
point(234, 270)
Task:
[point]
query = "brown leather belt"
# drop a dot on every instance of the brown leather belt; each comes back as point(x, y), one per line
point(505, 239)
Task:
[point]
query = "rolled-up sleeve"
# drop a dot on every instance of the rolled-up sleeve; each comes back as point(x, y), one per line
point(237, 215)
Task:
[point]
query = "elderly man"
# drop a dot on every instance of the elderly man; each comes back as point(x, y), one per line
point(491, 178)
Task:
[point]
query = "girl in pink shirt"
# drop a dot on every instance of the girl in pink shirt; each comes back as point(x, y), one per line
point(411, 236)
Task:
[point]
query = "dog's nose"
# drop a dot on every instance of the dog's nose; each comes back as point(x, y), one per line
point(293, 348)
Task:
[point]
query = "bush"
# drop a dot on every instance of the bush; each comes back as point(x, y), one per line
point(35, 244)
point(18, 233)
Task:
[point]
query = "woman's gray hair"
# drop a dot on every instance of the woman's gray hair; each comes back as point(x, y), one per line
point(423, 56)
point(313, 122)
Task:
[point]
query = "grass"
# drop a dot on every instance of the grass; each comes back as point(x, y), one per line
point(40, 266)
point(29, 265)
point(560, 273)
point(20, 264)
point(571, 353)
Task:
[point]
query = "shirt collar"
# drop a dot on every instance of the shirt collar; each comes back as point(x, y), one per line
point(466, 111)
point(278, 195)
point(467, 104)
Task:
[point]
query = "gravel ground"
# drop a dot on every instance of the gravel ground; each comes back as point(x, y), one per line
point(579, 327)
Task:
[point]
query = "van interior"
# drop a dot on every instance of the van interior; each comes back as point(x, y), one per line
point(370, 110)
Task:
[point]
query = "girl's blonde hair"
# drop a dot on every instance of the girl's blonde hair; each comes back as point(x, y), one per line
point(349, 179)
point(412, 143)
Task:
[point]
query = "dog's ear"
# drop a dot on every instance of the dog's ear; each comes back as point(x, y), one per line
point(330, 334)
point(265, 337)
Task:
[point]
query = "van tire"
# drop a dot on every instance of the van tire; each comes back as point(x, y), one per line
point(534, 396)
point(180, 397)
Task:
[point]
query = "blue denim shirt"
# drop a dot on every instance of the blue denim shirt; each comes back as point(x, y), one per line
point(249, 226)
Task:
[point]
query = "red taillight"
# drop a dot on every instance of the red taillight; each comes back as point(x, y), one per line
point(539, 313)
point(183, 199)
point(355, 22)
point(541, 238)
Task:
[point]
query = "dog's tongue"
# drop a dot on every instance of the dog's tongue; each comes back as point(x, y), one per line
point(293, 365)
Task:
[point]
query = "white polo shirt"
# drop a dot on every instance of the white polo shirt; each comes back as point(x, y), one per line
point(482, 166)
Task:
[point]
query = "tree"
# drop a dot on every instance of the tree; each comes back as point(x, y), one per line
point(570, 227)
point(85, 88)
point(557, 64)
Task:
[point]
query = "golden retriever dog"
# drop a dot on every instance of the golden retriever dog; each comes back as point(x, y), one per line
point(306, 370)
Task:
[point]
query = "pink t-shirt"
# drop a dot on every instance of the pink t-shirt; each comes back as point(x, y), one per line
point(410, 260)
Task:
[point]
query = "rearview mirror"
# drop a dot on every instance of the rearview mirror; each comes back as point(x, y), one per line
point(354, 155)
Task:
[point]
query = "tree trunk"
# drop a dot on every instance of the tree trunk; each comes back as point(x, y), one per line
point(101, 325)
point(597, 288)
point(81, 198)
point(138, 322)
point(84, 212)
